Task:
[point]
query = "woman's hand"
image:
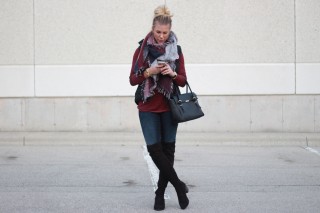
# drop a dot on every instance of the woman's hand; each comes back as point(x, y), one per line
point(163, 69)
point(152, 71)
point(155, 70)
point(166, 70)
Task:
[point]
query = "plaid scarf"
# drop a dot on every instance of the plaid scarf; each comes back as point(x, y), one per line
point(150, 51)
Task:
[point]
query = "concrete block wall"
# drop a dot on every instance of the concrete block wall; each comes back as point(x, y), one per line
point(64, 65)
point(281, 113)
point(69, 114)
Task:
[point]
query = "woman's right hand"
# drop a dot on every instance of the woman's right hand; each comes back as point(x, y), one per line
point(155, 70)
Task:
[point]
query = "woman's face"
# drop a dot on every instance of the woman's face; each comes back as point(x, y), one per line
point(161, 32)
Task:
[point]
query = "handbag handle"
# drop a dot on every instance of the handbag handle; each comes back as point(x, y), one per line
point(194, 97)
point(187, 88)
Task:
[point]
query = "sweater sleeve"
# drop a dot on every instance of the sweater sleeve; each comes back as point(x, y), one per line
point(133, 78)
point(181, 78)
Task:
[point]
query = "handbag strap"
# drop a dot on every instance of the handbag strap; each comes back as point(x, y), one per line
point(187, 88)
point(194, 96)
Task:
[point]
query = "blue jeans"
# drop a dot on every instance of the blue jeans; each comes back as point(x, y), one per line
point(158, 127)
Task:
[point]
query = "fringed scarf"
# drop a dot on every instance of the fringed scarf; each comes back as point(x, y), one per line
point(150, 51)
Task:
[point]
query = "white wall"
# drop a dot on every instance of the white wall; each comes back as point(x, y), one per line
point(74, 47)
point(62, 53)
point(205, 79)
point(113, 80)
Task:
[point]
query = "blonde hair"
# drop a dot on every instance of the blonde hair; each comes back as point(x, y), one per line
point(162, 15)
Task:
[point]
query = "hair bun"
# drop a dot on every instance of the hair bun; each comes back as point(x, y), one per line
point(162, 11)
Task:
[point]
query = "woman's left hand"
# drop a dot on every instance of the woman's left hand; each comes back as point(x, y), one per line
point(166, 70)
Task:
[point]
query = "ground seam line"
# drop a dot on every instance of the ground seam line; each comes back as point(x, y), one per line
point(312, 150)
point(153, 171)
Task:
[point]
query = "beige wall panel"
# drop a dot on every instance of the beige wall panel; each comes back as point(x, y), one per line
point(39, 114)
point(94, 32)
point(129, 115)
point(298, 113)
point(16, 32)
point(222, 114)
point(235, 31)
point(11, 114)
point(70, 114)
point(90, 32)
point(317, 113)
point(16, 81)
point(308, 30)
point(266, 113)
point(104, 114)
point(287, 113)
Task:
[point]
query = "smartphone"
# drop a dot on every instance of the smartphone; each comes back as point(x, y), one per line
point(161, 62)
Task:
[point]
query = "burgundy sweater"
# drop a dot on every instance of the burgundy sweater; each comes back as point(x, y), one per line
point(158, 102)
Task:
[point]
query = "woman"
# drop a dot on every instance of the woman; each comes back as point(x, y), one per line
point(157, 66)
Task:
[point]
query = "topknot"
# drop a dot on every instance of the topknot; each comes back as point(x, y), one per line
point(162, 10)
point(162, 15)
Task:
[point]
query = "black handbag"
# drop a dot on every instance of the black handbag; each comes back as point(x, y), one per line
point(138, 95)
point(185, 107)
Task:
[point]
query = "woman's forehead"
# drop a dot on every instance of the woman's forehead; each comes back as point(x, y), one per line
point(163, 27)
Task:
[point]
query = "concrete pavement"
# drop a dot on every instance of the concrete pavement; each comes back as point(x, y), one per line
point(45, 174)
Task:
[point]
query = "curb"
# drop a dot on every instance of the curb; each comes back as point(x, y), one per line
point(136, 138)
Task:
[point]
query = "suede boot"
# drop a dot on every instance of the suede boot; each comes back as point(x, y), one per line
point(159, 202)
point(168, 172)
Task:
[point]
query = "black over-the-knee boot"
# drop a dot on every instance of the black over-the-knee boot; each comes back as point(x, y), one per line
point(159, 202)
point(168, 172)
